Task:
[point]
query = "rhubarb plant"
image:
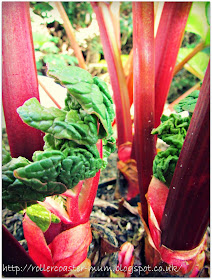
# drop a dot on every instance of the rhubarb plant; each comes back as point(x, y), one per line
point(180, 170)
point(70, 153)
point(172, 131)
point(69, 157)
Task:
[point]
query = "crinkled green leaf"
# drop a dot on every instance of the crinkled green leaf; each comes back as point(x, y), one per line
point(70, 153)
point(172, 125)
point(6, 157)
point(52, 172)
point(164, 165)
point(78, 166)
point(70, 75)
point(106, 96)
point(45, 170)
point(17, 196)
point(69, 125)
point(39, 155)
point(18, 193)
point(188, 103)
point(172, 131)
point(91, 93)
point(109, 146)
point(80, 162)
point(7, 170)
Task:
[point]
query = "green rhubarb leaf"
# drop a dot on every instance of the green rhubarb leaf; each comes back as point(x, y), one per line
point(107, 99)
point(172, 131)
point(6, 157)
point(81, 163)
point(39, 215)
point(109, 146)
point(70, 153)
point(55, 219)
point(172, 125)
point(188, 103)
point(164, 165)
point(7, 170)
point(17, 196)
point(45, 170)
point(39, 155)
point(91, 93)
point(19, 192)
point(70, 75)
point(62, 124)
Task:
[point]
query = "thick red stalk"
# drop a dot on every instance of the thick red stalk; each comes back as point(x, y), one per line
point(19, 77)
point(143, 87)
point(167, 43)
point(115, 68)
point(186, 213)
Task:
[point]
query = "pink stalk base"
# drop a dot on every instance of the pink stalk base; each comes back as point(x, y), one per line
point(181, 263)
point(126, 260)
point(67, 250)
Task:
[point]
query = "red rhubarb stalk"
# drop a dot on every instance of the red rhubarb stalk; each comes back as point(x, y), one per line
point(167, 43)
point(183, 227)
point(59, 256)
point(115, 68)
point(143, 71)
point(19, 77)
